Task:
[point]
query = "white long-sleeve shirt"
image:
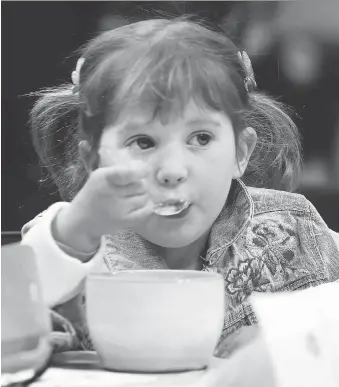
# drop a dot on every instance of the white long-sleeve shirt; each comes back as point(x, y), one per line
point(61, 275)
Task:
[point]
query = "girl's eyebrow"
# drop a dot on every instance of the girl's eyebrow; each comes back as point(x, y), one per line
point(203, 121)
point(133, 126)
point(142, 125)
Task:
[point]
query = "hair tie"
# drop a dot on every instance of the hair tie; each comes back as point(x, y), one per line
point(249, 82)
point(76, 75)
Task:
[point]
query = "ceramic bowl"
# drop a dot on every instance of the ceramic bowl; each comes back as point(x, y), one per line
point(155, 321)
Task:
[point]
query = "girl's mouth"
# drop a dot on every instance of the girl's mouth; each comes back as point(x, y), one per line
point(171, 207)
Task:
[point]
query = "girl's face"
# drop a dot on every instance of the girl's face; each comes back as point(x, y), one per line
point(192, 157)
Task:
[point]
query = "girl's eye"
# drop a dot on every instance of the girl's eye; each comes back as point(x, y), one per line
point(142, 143)
point(201, 139)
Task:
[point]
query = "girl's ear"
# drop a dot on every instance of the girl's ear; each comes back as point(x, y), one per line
point(89, 157)
point(246, 144)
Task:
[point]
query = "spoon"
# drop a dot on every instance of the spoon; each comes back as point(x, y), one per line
point(171, 207)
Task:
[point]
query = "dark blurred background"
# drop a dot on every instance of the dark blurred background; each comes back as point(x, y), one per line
point(294, 47)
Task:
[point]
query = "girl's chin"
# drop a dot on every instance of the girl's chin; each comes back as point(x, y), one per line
point(172, 240)
point(173, 233)
point(179, 244)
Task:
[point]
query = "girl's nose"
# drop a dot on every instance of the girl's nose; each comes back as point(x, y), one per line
point(171, 176)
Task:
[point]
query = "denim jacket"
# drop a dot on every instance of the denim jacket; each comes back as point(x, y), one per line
point(263, 241)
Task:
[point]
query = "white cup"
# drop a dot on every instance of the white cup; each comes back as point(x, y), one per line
point(155, 321)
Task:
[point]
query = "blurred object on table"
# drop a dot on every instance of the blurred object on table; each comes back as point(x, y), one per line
point(300, 329)
point(25, 323)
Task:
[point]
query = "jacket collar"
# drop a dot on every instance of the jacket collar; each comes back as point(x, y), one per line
point(128, 250)
point(232, 221)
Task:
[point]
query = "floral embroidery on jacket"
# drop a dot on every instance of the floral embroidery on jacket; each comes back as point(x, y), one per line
point(245, 278)
point(270, 248)
point(274, 244)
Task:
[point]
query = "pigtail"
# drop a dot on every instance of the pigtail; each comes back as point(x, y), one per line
point(54, 122)
point(276, 161)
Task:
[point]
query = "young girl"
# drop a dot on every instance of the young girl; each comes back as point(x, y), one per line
point(168, 157)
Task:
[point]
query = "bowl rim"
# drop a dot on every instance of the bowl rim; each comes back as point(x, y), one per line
point(171, 276)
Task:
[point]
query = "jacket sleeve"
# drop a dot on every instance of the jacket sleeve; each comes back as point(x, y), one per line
point(327, 244)
point(61, 275)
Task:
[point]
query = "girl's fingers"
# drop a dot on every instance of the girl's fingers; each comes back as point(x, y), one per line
point(122, 175)
point(141, 207)
point(131, 190)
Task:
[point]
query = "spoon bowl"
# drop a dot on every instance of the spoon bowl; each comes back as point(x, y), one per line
point(171, 207)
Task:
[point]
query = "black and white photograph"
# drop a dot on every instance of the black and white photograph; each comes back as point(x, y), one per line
point(170, 194)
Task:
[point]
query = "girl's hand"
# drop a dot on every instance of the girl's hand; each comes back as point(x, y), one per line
point(114, 198)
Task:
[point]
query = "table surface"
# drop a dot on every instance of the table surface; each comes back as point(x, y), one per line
point(68, 377)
